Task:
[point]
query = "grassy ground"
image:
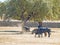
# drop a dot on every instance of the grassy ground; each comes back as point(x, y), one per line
point(29, 39)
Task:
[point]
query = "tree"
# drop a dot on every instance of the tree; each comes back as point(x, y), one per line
point(31, 9)
point(55, 9)
point(36, 10)
point(2, 9)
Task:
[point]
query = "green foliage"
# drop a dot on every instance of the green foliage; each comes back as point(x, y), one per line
point(56, 6)
point(21, 9)
point(2, 9)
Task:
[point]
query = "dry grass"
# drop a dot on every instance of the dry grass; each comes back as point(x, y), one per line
point(29, 39)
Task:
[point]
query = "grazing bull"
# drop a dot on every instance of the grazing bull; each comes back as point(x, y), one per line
point(39, 32)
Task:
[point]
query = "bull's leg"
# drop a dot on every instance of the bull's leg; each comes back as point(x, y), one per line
point(41, 35)
point(38, 35)
point(35, 35)
point(45, 34)
point(48, 34)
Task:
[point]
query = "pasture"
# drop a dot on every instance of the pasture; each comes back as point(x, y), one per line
point(9, 38)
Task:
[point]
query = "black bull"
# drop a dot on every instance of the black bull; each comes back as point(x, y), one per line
point(40, 32)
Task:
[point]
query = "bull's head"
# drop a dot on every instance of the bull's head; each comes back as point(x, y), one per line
point(34, 31)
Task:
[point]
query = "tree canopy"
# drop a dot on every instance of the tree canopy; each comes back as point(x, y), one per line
point(38, 10)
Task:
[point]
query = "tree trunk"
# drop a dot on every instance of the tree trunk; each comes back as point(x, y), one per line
point(23, 24)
